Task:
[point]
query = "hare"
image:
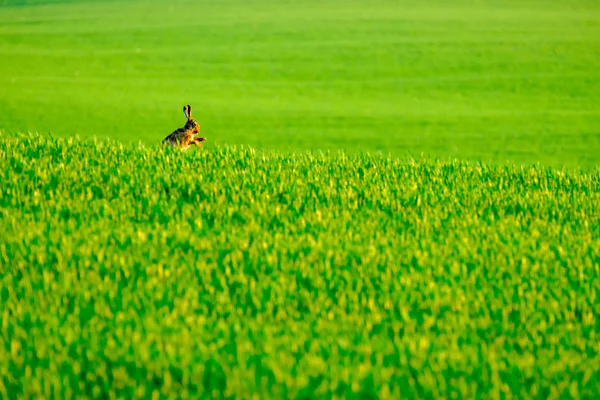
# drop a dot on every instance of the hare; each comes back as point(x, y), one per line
point(186, 136)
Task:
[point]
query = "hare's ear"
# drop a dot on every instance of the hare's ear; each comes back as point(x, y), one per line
point(187, 111)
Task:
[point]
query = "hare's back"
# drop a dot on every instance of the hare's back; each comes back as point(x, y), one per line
point(175, 136)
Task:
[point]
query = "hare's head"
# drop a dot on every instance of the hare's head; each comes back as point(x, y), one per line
point(191, 124)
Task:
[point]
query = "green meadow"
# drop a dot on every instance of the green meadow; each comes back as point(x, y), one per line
point(134, 272)
point(478, 80)
point(397, 199)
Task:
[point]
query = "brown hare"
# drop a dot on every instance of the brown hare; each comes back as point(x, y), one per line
point(186, 136)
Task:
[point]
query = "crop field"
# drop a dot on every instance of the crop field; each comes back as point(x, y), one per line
point(397, 199)
point(130, 271)
point(478, 80)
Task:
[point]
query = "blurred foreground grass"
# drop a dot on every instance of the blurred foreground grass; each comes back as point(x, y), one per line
point(130, 271)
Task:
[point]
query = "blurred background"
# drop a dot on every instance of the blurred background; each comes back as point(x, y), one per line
point(485, 80)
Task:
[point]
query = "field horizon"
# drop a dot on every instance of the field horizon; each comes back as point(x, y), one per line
point(407, 157)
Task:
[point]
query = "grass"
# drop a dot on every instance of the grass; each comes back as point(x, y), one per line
point(396, 199)
point(484, 80)
point(131, 271)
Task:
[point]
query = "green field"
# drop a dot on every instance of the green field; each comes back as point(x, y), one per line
point(397, 199)
point(478, 80)
point(233, 271)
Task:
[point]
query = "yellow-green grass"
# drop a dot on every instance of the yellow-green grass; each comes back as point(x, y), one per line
point(478, 80)
point(132, 271)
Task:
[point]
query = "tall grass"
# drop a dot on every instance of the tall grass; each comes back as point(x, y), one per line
point(133, 271)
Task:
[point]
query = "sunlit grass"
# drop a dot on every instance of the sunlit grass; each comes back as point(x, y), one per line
point(127, 270)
